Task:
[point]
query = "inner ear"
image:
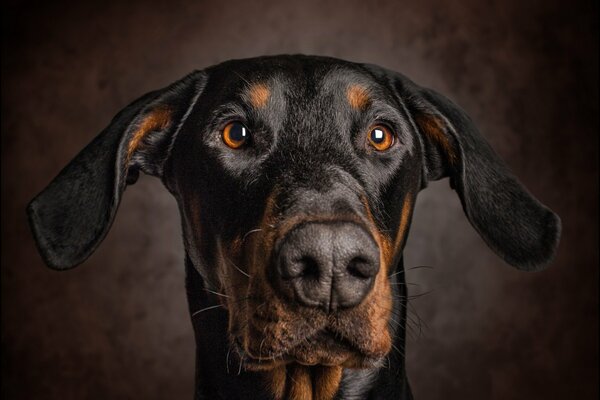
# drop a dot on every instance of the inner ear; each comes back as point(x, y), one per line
point(157, 119)
point(433, 126)
point(148, 147)
point(441, 149)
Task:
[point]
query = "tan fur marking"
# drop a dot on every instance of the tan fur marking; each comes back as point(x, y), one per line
point(300, 383)
point(158, 118)
point(433, 127)
point(303, 382)
point(385, 247)
point(327, 382)
point(358, 97)
point(404, 217)
point(259, 95)
point(276, 378)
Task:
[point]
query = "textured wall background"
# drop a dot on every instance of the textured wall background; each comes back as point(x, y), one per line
point(117, 327)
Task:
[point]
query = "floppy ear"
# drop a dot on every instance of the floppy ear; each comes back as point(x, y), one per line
point(509, 219)
point(71, 216)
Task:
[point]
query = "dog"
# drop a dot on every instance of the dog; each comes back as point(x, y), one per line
point(296, 179)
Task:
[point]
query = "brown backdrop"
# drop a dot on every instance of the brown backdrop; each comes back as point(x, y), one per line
point(117, 327)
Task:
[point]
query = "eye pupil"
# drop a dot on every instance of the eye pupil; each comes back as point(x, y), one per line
point(377, 135)
point(238, 132)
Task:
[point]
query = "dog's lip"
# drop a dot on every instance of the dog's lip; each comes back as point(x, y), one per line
point(329, 337)
point(254, 362)
point(338, 348)
point(325, 337)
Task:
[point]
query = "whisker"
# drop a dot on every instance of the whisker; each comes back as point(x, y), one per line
point(236, 267)
point(410, 269)
point(240, 367)
point(416, 296)
point(206, 309)
point(249, 233)
point(241, 77)
point(262, 342)
point(420, 266)
point(398, 350)
point(227, 358)
point(404, 284)
point(217, 293)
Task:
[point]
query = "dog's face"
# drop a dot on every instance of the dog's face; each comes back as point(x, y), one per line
point(296, 179)
point(295, 183)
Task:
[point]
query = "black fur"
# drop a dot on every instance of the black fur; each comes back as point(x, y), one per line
point(307, 140)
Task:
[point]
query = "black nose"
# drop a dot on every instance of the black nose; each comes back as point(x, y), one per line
point(327, 265)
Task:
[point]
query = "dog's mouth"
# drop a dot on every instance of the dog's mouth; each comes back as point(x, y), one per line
point(325, 347)
point(274, 335)
point(282, 320)
point(269, 332)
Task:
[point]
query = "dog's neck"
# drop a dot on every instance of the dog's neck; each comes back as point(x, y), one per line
point(220, 375)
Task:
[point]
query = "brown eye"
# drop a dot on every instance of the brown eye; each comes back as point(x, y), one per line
point(235, 135)
point(381, 138)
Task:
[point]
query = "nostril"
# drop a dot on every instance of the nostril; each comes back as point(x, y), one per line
point(308, 268)
point(360, 267)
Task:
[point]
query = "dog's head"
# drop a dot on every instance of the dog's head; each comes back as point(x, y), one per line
point(296, 179)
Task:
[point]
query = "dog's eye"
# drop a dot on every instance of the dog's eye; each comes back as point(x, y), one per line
point(235, 135)
point(380, 137)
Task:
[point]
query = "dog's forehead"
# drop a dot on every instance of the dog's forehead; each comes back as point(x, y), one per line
point(300, 81)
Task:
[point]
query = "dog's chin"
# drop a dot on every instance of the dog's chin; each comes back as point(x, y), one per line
point(325, 349)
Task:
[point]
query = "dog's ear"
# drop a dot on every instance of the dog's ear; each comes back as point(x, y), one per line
point(71, 216)
point(509, 219)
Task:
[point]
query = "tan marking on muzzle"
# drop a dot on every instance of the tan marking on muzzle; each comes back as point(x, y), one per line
point(276, 379)
point(327, 382)
point(300, 382)
point(404, 218)
point(157, 119)
point(382, 240)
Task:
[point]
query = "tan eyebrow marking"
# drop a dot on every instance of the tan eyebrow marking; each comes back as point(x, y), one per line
point(158, 118)
point(433, 127)
point(258, 94)
point(358, 96)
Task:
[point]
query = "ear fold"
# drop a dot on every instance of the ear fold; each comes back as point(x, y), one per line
point(509, 219)
point(71, 216)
